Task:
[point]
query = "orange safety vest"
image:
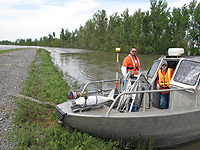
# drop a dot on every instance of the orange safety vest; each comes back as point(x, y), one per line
point(164, 79)
point(135, 65)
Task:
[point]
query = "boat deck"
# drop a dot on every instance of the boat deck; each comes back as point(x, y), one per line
point(101, 111)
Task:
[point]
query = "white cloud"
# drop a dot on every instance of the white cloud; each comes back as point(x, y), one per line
point(45, 20)
point(179, 3)
point(38, 18)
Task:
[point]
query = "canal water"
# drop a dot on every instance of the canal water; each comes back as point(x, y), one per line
point(82, 66)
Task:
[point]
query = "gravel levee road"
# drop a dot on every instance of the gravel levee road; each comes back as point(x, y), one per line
point(14, 68)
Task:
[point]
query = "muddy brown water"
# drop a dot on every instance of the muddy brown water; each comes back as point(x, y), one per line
point(83, 66)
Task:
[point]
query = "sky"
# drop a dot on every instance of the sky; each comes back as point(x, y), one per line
point(38, 18)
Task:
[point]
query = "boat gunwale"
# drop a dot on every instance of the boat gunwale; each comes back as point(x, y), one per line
point(140, 114)
point(143, 113)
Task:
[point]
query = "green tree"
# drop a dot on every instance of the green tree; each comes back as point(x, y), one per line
point(101, 22)
point(29, 41)
point(62, 37)
point(90, 34)
point(197, 33)
point(146, 42)
point(35, 42)
point(54, 34)
point(127, 25)
point(180, 23)
point(114, 32)
point(141, 35)
point(67, 38)
point(158, 16)
point(80, 38)
point(192, 28)
point(73, 41)
point(152, 31)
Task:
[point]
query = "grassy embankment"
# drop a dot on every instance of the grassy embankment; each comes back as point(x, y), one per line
point(36, 125)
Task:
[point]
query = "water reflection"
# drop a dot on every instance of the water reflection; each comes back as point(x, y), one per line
point(86, 66)
point(83, 66)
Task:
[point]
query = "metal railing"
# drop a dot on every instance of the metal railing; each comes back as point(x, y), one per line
point(152, 91)
point(102, 88)
point(114, 80)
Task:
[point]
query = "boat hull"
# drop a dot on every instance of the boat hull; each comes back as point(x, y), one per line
point(165, 128)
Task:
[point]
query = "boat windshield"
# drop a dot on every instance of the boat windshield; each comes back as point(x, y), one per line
point(153, 69)
point(188, 72)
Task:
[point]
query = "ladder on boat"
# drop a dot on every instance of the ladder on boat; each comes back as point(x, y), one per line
point(132, 102)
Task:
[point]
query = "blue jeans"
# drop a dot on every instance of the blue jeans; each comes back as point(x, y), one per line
point(164, 101)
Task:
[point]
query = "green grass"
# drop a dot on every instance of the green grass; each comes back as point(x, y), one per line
point(10, 50)
point(37, 127)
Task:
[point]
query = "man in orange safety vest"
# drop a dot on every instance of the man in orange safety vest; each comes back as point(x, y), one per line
point(163, 79)
point(131, 63)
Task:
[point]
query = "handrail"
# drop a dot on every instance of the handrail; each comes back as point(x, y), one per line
point(114, 80)
point(102, 81)
point(95, 91)
point(148, 91)
point(140, 76)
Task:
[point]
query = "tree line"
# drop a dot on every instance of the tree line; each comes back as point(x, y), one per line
point(152, 32)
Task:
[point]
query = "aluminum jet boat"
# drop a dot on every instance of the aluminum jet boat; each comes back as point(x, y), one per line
point(132, 110)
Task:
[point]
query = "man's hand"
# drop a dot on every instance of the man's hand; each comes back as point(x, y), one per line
point(158, 87)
